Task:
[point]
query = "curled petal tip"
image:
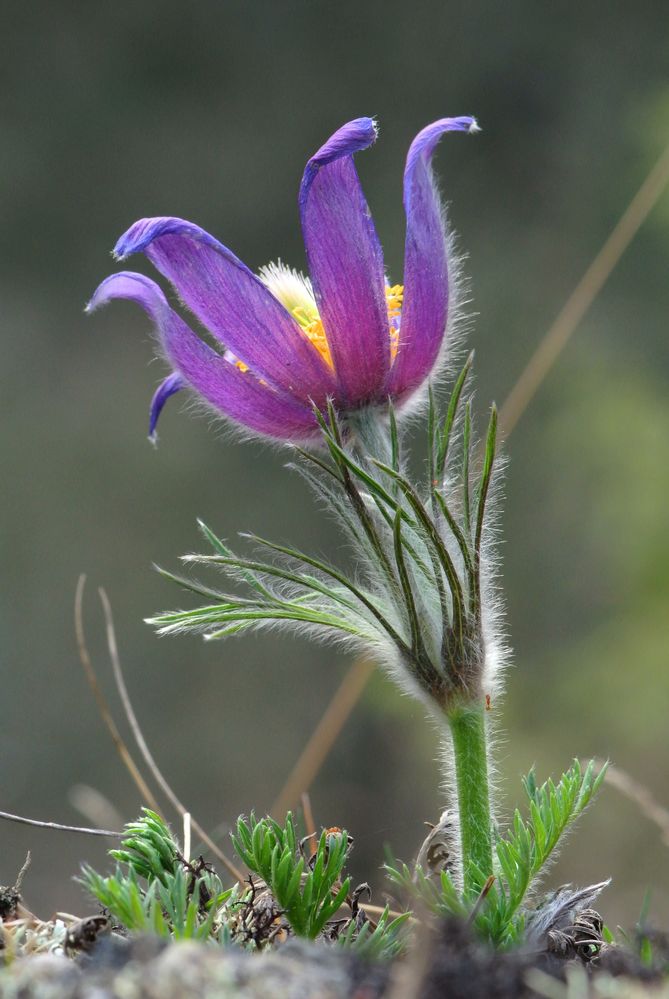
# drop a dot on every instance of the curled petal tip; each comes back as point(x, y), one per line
point(97, 299)
point(363, 129)
point(143, 232)
point(351, 138)
point(173, 383)
point(461, 123)
point(127, 243)
point(119, 253)
point(371, 127)
point(129, 285)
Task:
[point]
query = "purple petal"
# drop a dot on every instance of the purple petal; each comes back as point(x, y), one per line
point(426, 274)
point(173, 383)
point(232, 303)
point(346, 263)
point(240, 395)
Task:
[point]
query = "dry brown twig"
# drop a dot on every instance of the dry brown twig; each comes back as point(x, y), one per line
point(309, 824)
point(58, 826)
point(118, 741)
point(584, 294)
point(142, 744)
point(324, 736)
point(103, 707)
point(640, 795)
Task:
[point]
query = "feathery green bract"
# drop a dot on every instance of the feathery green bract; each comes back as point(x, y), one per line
point(310, 893)
point(499, 915)
point(414, 603)
point(526, 848)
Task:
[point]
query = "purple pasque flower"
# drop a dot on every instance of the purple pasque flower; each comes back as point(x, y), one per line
point(283, 343)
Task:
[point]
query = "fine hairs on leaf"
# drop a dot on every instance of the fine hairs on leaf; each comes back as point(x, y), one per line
point(416, 605)
point(422, 605)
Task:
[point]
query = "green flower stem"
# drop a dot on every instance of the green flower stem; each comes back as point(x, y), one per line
point(467, 723)
point(371, 436)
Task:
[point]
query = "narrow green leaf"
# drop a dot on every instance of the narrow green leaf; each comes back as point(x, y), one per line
point(417, 645)
point(463, 545)
point(340, 578)
point(466, 446)
point(440, 549)
point(482, 496)
point(431, 436)
point(445, 434)
point(394, 438)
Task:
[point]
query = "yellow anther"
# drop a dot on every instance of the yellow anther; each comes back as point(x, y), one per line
point(310, 322)
point(289, 286)
point(394, 298)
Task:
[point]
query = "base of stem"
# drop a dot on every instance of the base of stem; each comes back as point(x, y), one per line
point(468, 731)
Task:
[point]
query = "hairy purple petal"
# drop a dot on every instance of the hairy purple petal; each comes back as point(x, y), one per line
point(173, 383)
point(346, 263)
point(240, 395)
point(426, 275)
point(233, 303)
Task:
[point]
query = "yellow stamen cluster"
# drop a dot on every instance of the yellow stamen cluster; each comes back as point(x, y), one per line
point(394, 298)
point(312, 324)
point(306, 313)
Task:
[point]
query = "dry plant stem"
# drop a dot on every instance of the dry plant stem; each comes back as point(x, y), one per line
point(324, 736)
point(57, 825)
point(103, 708)
point(519, 397)
point(584, 294)
point(141, 741)
point(378, 910)
point(309, 823)
point(187, 835)
point(22, 873)
point(480, 900)
point(641, 796)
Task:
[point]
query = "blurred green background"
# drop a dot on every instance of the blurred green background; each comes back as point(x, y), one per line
point(209, 110)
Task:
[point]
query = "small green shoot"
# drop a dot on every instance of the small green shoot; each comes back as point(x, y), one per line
point(310, 893)
point(154, 889)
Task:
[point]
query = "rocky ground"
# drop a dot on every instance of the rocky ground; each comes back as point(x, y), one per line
point(78, 962)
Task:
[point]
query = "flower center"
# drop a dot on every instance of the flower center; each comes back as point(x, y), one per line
point(312, 325)
point(295, 293)
point(394, 298)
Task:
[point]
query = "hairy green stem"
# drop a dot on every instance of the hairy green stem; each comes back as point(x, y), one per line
point(371, 435)
point(467, 724)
